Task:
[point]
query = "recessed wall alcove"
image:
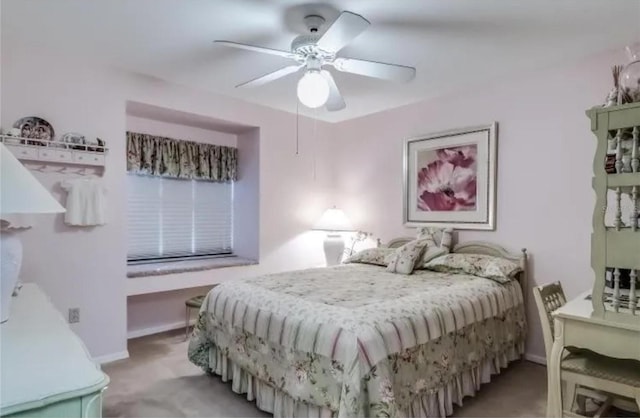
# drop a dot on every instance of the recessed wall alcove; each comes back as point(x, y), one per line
point(173, 123)
point(156, 303)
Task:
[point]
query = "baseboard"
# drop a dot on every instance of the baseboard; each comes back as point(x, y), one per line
point(108, 358)
point(157, 329)
point(140, 333)
point(535, 358)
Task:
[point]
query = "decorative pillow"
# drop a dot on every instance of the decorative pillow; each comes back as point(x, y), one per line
point(430, 253)
point(442, 237)
point(494, 268)
point(439, 243)
point(375, 256)
point(407, 257)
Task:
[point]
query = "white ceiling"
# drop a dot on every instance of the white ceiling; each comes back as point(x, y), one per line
point(452, 43)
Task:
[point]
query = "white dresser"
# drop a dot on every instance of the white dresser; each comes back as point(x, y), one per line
point(45, 369)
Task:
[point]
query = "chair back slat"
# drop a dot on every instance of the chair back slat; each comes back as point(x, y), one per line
point(548, 298)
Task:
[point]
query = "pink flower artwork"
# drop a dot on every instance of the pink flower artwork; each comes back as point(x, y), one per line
point(447, 179)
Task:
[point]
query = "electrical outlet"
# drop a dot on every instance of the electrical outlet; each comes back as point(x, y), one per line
point(74, 315)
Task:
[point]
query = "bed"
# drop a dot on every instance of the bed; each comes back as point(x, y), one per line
point(354, 340)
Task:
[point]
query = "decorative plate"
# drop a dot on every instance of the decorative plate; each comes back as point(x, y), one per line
point(36, 128)
point(74, 138)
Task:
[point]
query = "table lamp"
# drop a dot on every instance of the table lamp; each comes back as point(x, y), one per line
point(20, 193)
point(333, 221)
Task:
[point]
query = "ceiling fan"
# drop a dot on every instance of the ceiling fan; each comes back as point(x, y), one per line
point(313, 51)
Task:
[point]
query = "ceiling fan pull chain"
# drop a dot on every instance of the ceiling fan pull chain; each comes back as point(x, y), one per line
point(315, 140)
point(297, 127)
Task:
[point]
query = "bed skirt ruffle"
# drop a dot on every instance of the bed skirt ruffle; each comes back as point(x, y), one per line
point(437, 403)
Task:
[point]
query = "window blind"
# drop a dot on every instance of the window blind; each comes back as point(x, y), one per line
point(174, 218)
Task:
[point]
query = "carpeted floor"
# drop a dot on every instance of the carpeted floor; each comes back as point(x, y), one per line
point(158, 381)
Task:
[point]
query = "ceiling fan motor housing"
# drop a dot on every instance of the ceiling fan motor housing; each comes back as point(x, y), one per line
point(305, 46)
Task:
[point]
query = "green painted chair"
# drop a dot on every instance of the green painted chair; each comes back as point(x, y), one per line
point(586, 374)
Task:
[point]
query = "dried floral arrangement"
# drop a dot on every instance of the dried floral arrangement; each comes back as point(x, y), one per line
point(358, 237)
point(617, 95)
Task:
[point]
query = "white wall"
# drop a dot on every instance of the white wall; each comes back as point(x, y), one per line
point(246, 220)
point(545, 157)
point(86, 267)
point(159, 312)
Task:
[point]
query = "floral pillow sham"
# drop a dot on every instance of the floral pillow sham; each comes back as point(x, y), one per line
point(430, 253)
point(375, 256)
point(439, 243)
point(408, 257)
point(495, 268)
point(442, 237)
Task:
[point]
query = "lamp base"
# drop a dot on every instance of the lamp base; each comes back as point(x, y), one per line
point(10, 262)
point(333, 249)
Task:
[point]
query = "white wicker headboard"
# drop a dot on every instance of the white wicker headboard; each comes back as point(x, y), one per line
point(483, 247)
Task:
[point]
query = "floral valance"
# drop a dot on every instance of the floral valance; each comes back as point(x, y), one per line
point(168, 157)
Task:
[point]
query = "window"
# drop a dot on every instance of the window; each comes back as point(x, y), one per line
point(172, 219)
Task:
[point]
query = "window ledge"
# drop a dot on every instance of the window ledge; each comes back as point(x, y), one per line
point(185, 266)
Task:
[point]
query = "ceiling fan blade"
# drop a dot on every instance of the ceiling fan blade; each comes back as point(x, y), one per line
point(335, 101)
point(264, 79)
point(345, 29)
point(270, 51)
point(392, 72)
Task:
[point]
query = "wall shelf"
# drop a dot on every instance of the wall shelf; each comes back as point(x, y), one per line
point(29, 149)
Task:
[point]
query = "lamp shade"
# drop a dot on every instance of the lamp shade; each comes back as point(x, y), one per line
point(20, 191)
point(333, 219)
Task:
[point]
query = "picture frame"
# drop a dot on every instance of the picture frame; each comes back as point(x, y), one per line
point(449, 179)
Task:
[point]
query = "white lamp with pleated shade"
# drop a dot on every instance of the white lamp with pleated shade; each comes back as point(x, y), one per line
point(333, 220)
point(20, 193)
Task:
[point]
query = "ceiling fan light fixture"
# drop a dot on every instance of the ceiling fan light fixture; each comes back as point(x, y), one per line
point(313, 89)
point(319, 48)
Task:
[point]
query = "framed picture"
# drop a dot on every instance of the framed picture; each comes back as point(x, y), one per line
point(450, 179)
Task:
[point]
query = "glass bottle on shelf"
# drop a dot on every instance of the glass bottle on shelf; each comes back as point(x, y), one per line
point(630, 76)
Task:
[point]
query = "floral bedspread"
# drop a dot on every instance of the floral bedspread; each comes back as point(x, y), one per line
point(356, 339)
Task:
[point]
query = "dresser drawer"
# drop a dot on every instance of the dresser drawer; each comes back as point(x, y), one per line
point(57, 155)
point(88, 158)
point(23, 153)
point(87, 406)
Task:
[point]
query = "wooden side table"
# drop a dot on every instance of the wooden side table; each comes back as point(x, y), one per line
point(575, 326)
